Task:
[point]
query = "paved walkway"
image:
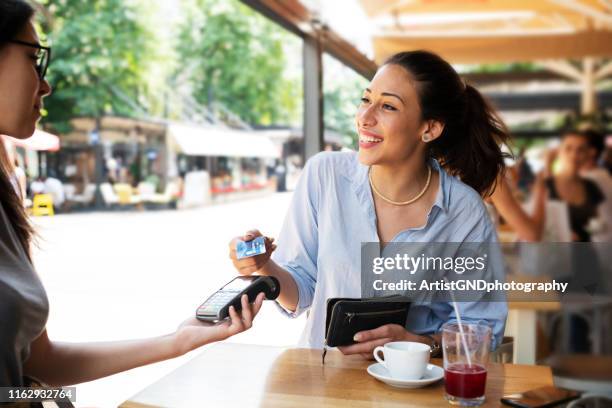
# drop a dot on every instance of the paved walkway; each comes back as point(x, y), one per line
point(123, 275)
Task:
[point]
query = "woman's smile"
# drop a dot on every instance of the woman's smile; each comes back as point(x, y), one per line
point(368, 140)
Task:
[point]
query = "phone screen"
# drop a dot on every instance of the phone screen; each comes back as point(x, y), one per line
point(238, 284)
point(540, 397)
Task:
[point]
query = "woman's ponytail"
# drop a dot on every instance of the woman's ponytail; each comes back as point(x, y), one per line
point(475, 156)
point(470, 144)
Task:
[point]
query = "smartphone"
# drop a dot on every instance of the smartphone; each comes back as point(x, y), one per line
point(543, 397)
point(216, 307)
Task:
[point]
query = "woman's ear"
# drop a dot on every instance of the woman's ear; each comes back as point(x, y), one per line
point(431, 130)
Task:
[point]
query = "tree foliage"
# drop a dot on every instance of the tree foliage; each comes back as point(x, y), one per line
point(100, 53)
point(342, 89)
point(234, 56)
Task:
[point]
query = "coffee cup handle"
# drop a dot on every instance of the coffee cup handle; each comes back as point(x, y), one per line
point(377, 357)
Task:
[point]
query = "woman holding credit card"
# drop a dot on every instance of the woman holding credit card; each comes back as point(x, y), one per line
point(429, 151)
point(25, 347)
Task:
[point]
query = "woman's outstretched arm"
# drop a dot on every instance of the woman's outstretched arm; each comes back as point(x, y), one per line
point(60, 363)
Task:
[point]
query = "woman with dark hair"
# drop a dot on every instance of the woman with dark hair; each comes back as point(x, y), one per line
point(25, 349)
point(581, 195)
point(429, 151)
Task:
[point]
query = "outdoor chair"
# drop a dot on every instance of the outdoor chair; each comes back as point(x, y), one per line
point(69, 191)
point(108, 195)
point(148, 195)
point(87, 197)
point(146, 190)
point(42, 205)
point(125, 194)
point(505, 351)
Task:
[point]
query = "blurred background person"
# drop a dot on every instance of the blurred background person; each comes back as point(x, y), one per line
point(593, 170)
point(37, 186)
point(528, 227)
point(581, 195)
point(54, 187)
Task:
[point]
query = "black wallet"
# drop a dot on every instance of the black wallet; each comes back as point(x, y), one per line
point(346, 316)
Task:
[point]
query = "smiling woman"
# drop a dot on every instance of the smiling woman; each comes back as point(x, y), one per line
point(429, 148)
point(25, 348)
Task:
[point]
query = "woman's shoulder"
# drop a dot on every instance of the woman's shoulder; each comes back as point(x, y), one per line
point(461, 197)
point(334, 158)
point(338, 163)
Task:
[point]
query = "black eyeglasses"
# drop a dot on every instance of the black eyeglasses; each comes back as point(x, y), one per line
point(43, 56)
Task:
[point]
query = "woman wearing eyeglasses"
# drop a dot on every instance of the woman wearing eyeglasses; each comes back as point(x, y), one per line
point(25, 348)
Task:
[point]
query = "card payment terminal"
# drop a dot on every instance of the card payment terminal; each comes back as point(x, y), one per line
point(216, 307)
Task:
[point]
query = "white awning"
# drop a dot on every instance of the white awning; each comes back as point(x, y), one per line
point(214, 141)
point(40, 140)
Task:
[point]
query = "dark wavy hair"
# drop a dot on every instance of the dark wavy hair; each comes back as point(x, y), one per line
point(14, 15)
point(470, 144)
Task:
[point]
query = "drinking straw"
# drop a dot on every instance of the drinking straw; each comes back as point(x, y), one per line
point(461, 333)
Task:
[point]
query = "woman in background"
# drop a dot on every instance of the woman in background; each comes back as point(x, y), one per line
point(581, 195)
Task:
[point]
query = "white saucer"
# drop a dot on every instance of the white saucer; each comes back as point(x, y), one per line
point(433, 373)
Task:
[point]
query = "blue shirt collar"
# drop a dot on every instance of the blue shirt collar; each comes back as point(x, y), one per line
point(358, 175)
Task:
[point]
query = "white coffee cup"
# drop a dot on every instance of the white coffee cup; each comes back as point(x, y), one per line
point(405, 360)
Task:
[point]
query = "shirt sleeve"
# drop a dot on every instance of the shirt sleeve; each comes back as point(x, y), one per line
point(298, 241)
point(491, 309)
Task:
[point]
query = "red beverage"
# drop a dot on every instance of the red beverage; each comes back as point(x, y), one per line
point(464, 381)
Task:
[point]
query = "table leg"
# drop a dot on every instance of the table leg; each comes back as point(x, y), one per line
point(522, 325)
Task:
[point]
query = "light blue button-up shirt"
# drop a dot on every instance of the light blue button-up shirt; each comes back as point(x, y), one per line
point(332, 212)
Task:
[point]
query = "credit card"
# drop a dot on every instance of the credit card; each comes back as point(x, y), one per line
point(250, 248)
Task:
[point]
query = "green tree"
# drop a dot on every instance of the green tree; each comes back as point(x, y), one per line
point(234, 56)
point(342, 89)
point(101, 51)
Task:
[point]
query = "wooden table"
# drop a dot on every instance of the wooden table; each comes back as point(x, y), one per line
point(238, 375)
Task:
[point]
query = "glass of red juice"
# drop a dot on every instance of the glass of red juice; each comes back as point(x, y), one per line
point(465, 349)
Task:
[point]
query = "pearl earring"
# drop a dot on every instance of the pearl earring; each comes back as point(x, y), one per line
point(426, 137)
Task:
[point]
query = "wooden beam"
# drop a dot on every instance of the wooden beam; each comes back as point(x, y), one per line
point(564, 68)
point(375, 8)
point(473, 32)
point(378, 7)
point(313, 98)
point(604, 71)
point(480, 50)
point(588, 102)
point(588, 11)
point(607, 4)
point(293, 16)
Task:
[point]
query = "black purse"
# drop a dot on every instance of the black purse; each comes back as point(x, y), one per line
point(345, 317)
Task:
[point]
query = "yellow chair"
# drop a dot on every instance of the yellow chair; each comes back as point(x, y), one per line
point(42, 205)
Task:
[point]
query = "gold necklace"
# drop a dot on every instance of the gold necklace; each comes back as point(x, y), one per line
point(412, 200)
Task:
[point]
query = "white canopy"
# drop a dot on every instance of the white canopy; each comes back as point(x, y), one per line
point(196, 140)
point(40, 140)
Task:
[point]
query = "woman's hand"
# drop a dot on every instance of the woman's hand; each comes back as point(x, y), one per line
point(368, 340)
point(193, 333)
point(248, 266)
point(549, 161)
